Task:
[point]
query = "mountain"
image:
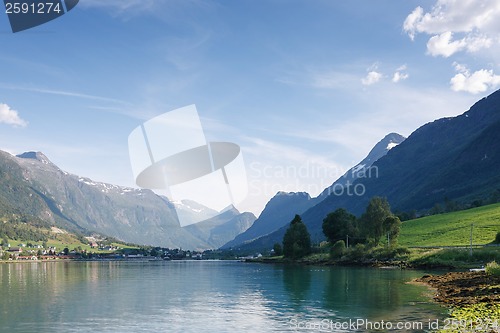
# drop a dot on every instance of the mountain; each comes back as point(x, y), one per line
point(281, 209)
point(188, 210)
point(32, 184)
point(363, 168)
point(278, 212)
point(450, 159)
point(222, 228)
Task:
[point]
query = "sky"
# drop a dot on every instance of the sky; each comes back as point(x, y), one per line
point(305, 87)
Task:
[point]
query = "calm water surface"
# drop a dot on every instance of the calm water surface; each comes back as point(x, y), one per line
point(204, 296)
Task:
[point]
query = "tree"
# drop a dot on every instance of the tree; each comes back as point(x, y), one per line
point(339, 224)
point(5, 242)
point(297, 241)
point(372, 221)
point(392, 227)
point(497, 238)
point(278, 249)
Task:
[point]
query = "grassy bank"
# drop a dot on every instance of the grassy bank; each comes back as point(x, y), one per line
point(452, 229)
point(453, 258)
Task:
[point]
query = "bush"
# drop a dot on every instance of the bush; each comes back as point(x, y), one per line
point(493, 268)
point(338, 250)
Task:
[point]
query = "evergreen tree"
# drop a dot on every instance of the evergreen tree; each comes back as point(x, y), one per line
point(297, 241)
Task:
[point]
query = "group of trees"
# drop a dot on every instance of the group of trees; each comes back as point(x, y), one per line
point(376, 223)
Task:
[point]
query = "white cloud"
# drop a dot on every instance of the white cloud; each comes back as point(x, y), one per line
point(11, 117)
point(411, 22)
point(400, 74)
point(371, 78)
point(476, 21)
point(444, 45)
point(474, 83)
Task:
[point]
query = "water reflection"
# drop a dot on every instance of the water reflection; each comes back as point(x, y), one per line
point(197, 296)
point(297, 282)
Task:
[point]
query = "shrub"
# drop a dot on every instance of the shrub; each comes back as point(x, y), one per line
point(493, 268)
point(338, 250)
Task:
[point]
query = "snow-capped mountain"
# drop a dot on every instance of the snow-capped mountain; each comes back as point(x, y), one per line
point(280, 210)
point(364, 168)
point(32, 184)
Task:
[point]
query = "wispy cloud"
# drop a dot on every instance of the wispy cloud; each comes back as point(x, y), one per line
point(11, 117)
point(371, 78)
point(398, 109)
point(64, 93)
point(119, 6)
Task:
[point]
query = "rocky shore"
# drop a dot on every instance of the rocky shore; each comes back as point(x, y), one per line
point(464, 288)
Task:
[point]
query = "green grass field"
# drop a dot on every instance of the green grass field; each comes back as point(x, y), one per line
point(453, 229)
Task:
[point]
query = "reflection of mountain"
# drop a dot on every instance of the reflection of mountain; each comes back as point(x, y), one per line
point(33, 185)
point(242, 297)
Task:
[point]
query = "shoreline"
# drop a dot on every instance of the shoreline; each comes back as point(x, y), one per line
point(464, 288)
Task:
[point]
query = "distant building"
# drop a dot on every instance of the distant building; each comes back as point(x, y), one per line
point(15, 249)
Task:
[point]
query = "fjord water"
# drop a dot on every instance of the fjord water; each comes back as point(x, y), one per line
point(203, 296)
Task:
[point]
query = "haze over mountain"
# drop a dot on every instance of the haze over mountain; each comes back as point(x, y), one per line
point(449, 159)
point(32, 184)
point(278, 211)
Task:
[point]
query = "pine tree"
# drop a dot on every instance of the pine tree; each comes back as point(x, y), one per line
point(297, 241)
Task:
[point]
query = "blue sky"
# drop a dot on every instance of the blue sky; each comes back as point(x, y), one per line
point(306, 88)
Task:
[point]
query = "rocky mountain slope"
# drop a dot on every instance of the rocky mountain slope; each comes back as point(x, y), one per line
point(33, 185)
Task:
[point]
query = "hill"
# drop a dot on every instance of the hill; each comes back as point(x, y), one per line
point(453, 229)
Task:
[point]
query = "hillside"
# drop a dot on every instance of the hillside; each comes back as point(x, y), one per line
point(454, 159)
point(32, 185)
point(452, 229)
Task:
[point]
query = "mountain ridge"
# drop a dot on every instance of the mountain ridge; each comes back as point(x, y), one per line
point(441, 160)
point(32, 184)
point(289, 204)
